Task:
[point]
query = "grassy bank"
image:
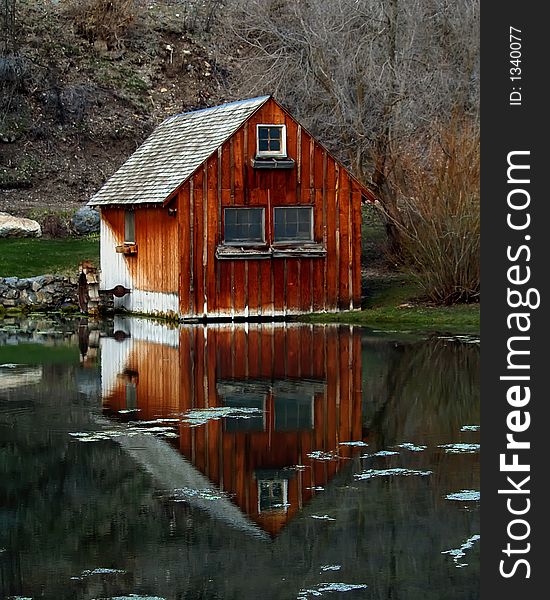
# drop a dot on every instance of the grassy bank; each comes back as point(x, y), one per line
point(391, 303)
point(27, 257)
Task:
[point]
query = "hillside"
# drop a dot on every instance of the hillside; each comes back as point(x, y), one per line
point(76, 101)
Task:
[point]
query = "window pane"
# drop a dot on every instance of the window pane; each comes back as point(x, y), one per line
point(271, 139)
point(243, 225)
point(129, 228)
point(255, 421)
point(230, 217)
point(293, 414)
point(271, 495)
point(293, 224)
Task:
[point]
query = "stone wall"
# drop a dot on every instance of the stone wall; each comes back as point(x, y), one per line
point(44, 292)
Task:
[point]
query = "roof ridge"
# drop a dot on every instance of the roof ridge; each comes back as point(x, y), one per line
point(224, 105)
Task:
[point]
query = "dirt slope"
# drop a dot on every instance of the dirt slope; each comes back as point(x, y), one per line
point(74, 104)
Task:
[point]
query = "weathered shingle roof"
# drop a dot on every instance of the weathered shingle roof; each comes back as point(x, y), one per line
point(173, 152)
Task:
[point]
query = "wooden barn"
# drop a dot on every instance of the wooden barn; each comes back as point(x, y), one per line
point(235, 211)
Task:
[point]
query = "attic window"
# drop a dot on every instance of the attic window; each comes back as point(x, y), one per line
point(271, 141)
point(272, 495)
point(244, 226)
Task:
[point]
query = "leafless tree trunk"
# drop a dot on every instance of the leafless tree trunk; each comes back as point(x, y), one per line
point(7, 24)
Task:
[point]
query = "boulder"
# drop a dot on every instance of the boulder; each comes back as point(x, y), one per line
point(85, 221)
point(11, 226)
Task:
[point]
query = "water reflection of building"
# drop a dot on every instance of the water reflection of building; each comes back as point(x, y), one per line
point(299, 386)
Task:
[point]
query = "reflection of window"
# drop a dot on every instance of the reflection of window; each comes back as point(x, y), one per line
point(129, 227)
point(293, 224)
point(293, 414)
point(131, 396)
point(272, 494)
point(243, 225)
point(249, 396)
point(271, 140)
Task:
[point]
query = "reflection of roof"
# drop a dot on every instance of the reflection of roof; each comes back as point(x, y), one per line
point(173, 473)
point(173, 152)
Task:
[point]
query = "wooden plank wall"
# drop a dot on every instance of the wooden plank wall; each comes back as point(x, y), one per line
point(274, 286)
point(155, 267)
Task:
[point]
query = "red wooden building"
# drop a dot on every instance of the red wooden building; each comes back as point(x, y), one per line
point(232, 212)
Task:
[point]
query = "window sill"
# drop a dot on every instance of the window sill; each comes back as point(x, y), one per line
point(264, 162)
point(126, 248)
point(305, 250)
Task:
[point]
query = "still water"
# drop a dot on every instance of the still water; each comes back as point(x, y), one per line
point(139, 460)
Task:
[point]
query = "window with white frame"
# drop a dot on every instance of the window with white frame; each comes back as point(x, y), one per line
point(293, 224)
point(244, 225)
point(272, 494)
point(271, 141)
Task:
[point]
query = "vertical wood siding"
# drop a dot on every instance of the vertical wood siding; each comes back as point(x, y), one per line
point(273, 286)
point(152, 274)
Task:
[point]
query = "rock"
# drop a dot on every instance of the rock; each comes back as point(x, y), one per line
point(11, 226)
point(85, 221)
point(22, 284)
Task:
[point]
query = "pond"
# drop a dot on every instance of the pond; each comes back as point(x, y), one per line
point(276, 461)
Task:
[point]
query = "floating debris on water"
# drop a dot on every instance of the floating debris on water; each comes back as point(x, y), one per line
point(136, 597)
point(130, 430)
point(323, 517)
point(381, 453)
point(469, 428)
point(358, 443)
point(197, 417)
point(460, 448)
point(371, 473)
point(125, 411)
point(464, 495)
point(331, 567)
point(99, 571)
point(458, 553)
point(183, 494)
point(411, 447)
point(320, 455)
point(320, 589)
point(316, 488)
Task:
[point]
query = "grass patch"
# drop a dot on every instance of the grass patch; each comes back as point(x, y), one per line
point(391, 302)
point(39, 354)
point(28, 257)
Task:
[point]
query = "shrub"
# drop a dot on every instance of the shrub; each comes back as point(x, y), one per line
point(102, 20)
point(439, 217)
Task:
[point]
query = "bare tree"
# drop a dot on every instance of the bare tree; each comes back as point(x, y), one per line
point(364, 75)
point(7, 26)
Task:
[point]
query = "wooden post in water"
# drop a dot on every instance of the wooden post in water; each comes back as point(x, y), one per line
point(88, 288)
